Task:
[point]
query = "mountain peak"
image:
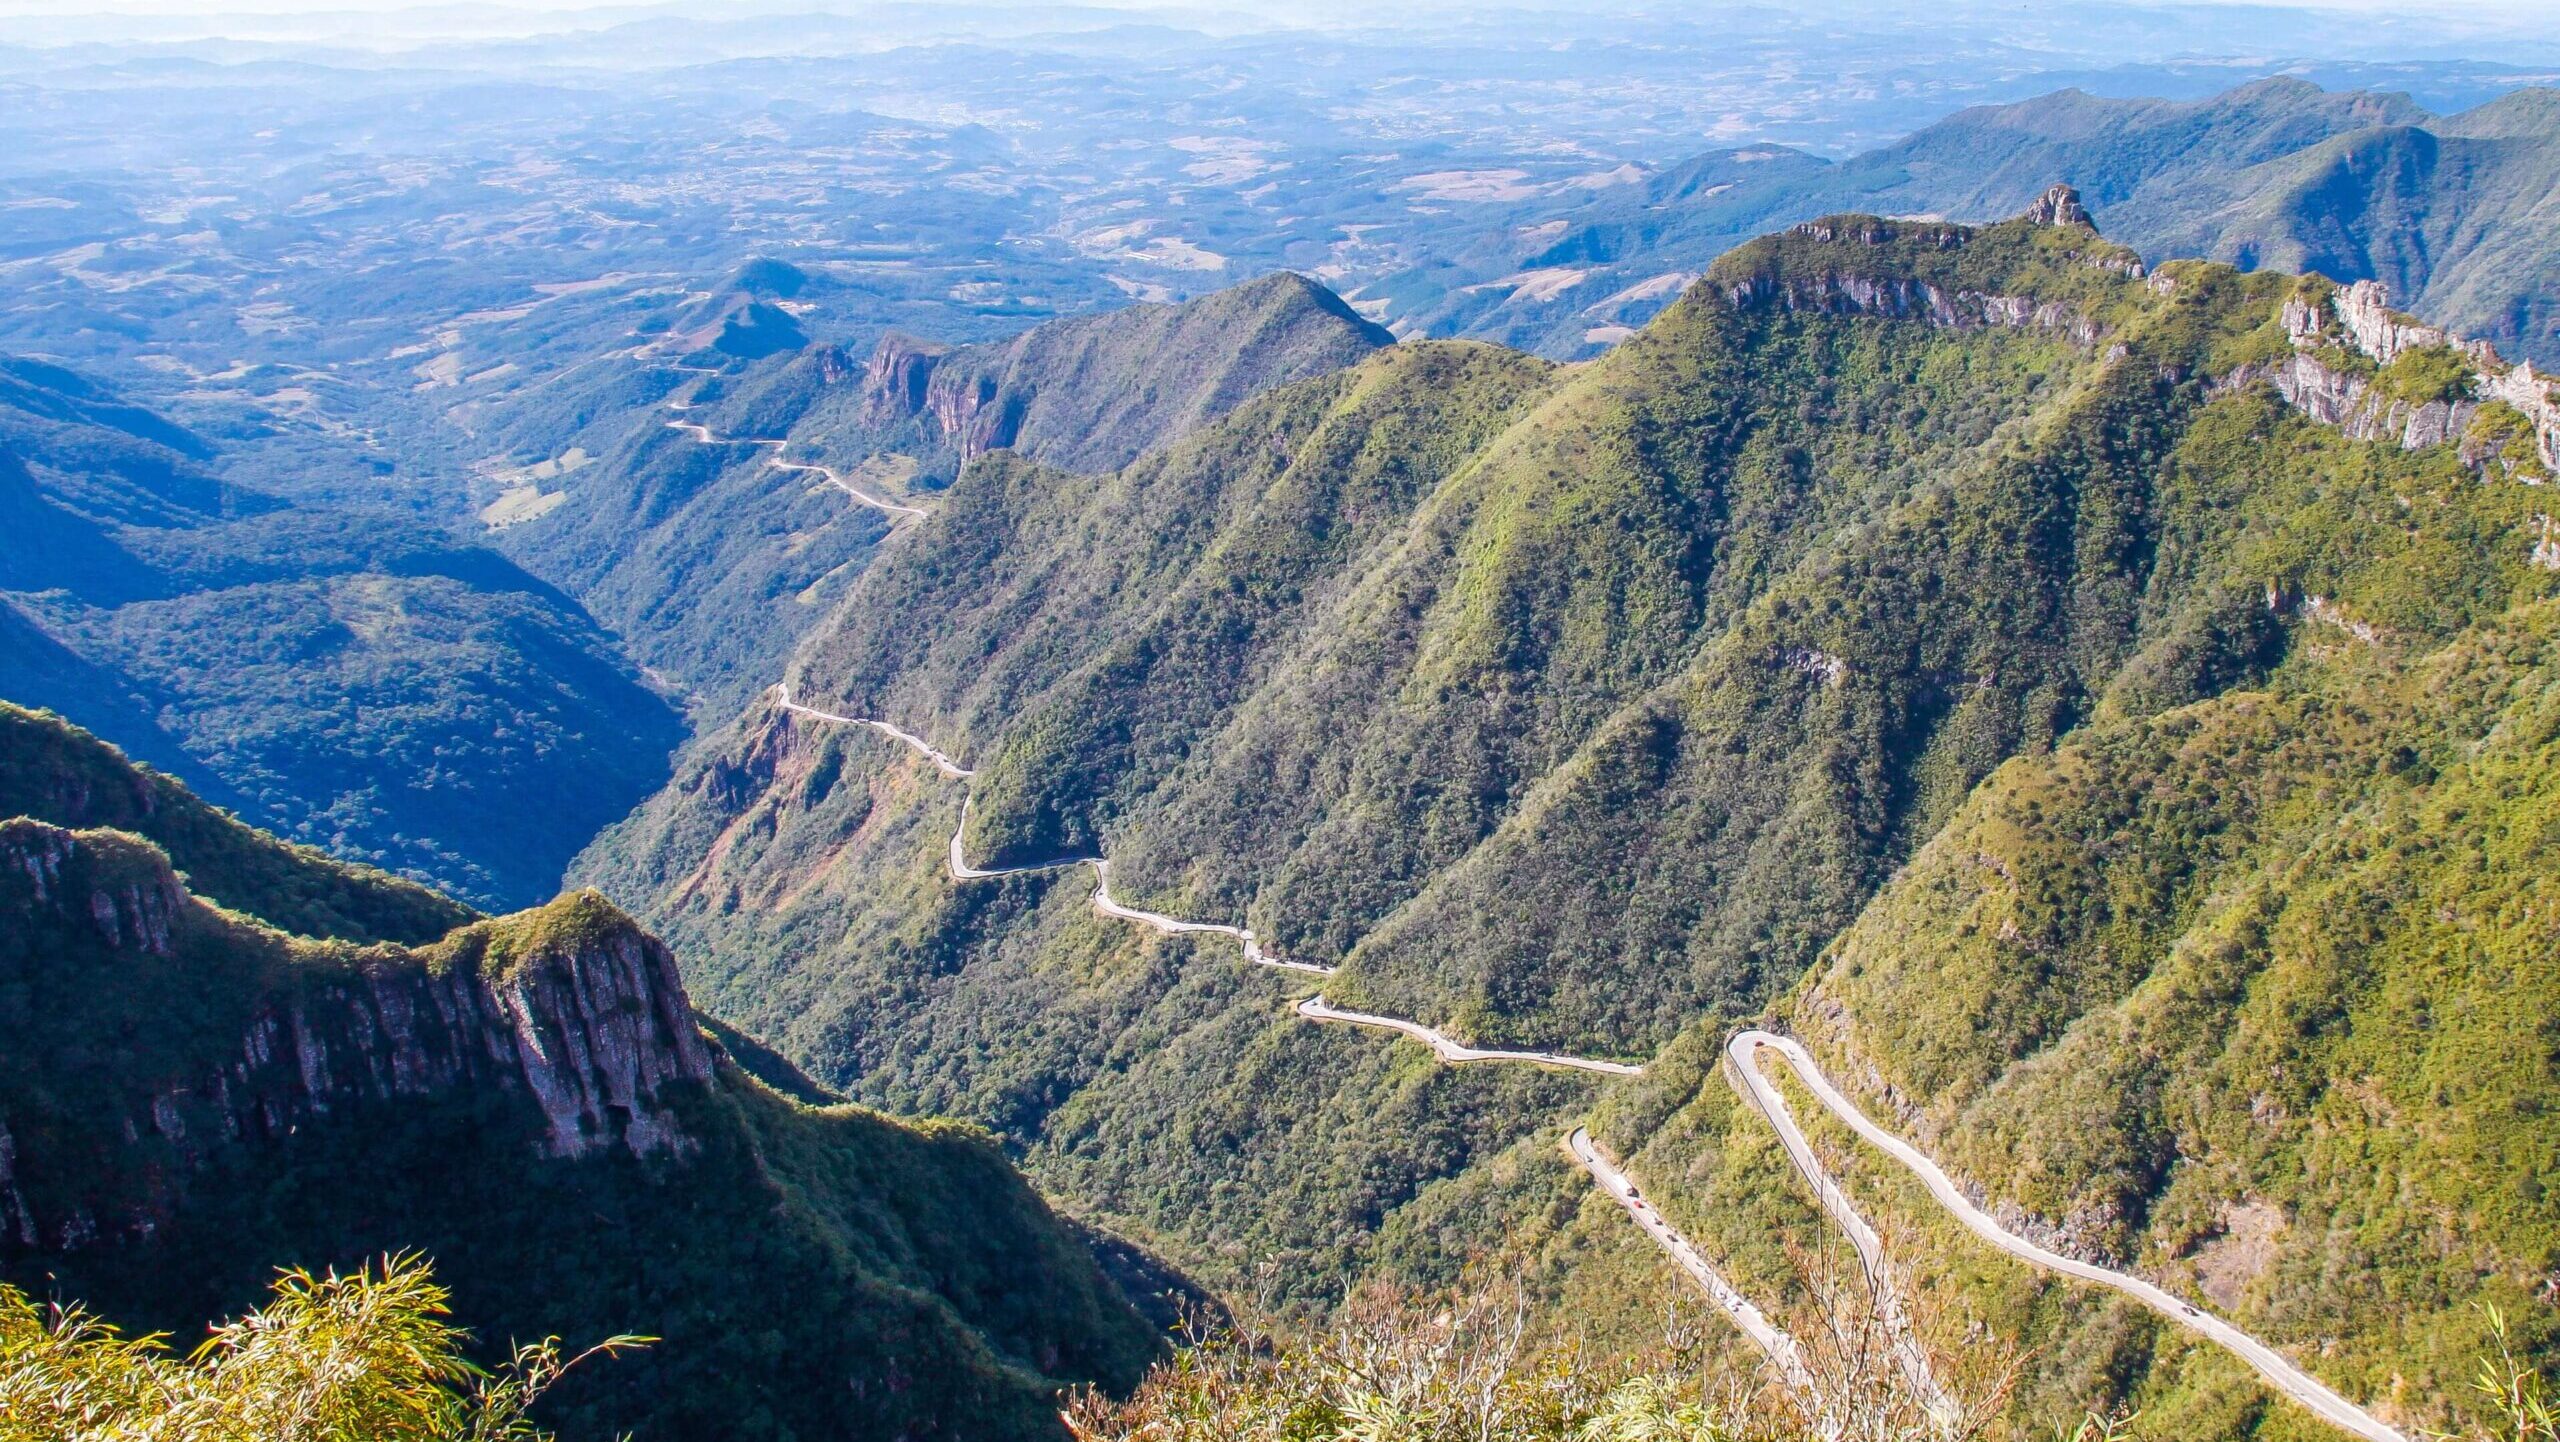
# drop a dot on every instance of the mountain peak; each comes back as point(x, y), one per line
point(2059, 205)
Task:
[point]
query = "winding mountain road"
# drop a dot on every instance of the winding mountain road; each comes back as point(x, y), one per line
point(1175, 926)
point(1771, 1339)
point(941, 763)
point(1884, 1282)
point(704, 435)
point(1743, 1052)
point(1457, 1053)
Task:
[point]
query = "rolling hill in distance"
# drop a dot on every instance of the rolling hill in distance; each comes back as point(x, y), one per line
point(2452, 212)
point(1238, 725)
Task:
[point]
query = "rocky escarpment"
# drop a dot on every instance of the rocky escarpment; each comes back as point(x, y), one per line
point(149, 1035)
point(2337, 336)
point(965, 405)
point(893, 380)
point(1095, 392)
point(1895, 290)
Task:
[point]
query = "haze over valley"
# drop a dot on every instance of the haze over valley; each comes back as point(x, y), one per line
point(1024, 721)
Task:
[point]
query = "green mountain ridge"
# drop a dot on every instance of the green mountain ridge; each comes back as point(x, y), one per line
point(190, 1098)
point(711, 563)
point(1600, 707)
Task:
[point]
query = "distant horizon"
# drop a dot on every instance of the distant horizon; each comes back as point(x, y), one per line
point(1290, 13)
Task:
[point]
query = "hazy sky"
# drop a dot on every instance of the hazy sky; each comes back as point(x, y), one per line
point(2478, 29)
point(1314, 11)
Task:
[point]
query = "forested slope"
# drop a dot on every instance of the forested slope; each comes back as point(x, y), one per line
point(191, 1098)
point(711, 562)
point(349, 679)
point(1589, 707)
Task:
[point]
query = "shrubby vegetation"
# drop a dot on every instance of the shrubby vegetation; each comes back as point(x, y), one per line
point(1576, 707)
point(368, 1355)
point(813, 1268)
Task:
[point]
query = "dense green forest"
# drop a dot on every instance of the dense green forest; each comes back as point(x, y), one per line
point(193, 1098)
point(344, 676)
point(1602, 707)
point(710, 563)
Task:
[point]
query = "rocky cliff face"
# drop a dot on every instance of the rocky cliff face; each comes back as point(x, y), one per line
point(569, 1013)
point(2359, 319)
point(954, 391)
point(976, 414)
point(893, 380)
point(1894, 291)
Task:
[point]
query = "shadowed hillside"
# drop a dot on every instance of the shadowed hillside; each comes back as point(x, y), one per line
point(191, 1098)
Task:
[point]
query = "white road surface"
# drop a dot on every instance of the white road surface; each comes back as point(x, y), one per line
point(1457, 1053)
point(703, 434)
point(1772, 1340)
point(1743, 1051)
point(2280, 1373)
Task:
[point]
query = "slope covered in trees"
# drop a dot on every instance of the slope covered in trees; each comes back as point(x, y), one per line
point(347, 678)
point(711, 562)
point(1591, 708)
point(191, 1098)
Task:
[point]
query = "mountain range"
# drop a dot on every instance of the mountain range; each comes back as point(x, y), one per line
point(2078, 658)
point(1973, 648)
point(2453, 213)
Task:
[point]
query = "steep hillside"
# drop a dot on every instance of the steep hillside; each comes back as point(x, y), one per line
point(351, 680)
point(712, 561)
point(1573, 708)
point(2452, 213)
point(55, 771)
point(190, 1099)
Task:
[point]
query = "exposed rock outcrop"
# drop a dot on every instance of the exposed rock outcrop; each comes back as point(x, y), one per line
point(1840, 293)
point(2060, 205)
point(894, 379)
point(568, 1013)
point(2358, 319)
point(967, 405)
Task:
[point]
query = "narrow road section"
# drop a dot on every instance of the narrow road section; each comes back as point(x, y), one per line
point(1457, 1053)
point(1768, 1336)
point(703, 434)
point(1174, 926)
point(922, 747)
point(1744, 1051)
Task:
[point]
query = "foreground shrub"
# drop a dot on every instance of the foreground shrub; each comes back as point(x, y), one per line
point(367, 1357)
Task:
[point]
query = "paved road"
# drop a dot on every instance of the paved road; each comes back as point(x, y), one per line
point(1884, 1282)
point(702, 433)
point(2280, 1373)
point(1772, 1340)
point(942, 763)
point(1457, 1053)
point(1174, 926)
